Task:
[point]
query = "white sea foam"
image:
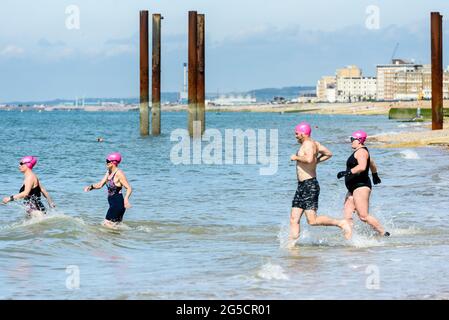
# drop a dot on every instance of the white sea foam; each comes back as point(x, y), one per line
point(406, 231)
point(362, 241)
point(144, 229)
point(410, 154)
point(272, 272)
point(412, 124)
point(38, 219)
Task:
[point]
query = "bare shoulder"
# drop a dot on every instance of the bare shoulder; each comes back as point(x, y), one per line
point(362, 152)
point(308, 143)
point(31, 178)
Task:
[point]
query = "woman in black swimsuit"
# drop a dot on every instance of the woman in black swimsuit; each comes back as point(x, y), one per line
point(114, 180)
point(31, 190)
point(358, 182)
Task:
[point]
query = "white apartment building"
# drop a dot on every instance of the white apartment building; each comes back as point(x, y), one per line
point(356, 89)
point(391, 78)
point(348, 85)
point(324, 89)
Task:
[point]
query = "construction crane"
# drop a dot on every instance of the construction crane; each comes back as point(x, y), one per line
point(394, 51)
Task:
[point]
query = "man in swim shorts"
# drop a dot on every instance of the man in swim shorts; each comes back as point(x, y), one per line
point(306, 197)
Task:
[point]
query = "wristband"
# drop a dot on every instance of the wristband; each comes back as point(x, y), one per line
point(11, 198)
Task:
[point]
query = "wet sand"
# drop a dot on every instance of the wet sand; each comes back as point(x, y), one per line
point(415, 139)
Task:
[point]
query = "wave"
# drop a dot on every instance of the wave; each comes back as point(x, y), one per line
point(410, 154)
point(413, 124)
point(360, 239)
point(49, 218)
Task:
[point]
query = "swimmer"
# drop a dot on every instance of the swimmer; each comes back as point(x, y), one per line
point(114, 180)
point(358, 183)
point(32, 189)
point(310, 154)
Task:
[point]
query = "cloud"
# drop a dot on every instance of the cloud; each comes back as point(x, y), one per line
point(11, 51)
point(264, 56)
point(121, 49)
point(48, 44)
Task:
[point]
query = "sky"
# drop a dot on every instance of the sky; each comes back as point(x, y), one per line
point(46, 52)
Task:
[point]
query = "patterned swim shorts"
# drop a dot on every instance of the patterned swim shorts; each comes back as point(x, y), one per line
point(307, 194)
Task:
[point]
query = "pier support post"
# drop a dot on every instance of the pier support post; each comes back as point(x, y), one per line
point(144, 75)
point(156, 77)
point(193, 71)
point(201, 93)
point(437, 70)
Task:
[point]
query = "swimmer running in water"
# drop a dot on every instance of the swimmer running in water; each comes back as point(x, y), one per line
point(358, 183)
point(305, 201)
point(32, 189)
point(114, 180)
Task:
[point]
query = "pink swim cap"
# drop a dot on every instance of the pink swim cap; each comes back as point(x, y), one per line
point(29, 161)
point(360, 135)
point(115, 157)
point(304, 127)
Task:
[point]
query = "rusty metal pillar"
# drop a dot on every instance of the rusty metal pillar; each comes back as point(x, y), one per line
point(144, 73)
point(201, 93)
point(156, 77)
point(193, 71)
point(437, 70)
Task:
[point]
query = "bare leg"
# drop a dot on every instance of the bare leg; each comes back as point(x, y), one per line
point(109, 224)
point(295, 218)
point(361, 202)
point(314, 220)
point(35, 214)
point(349, 209)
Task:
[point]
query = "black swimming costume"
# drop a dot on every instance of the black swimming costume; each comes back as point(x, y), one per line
point(116, 202)
point(307, 194)
point(362, 179)
point(33, 200)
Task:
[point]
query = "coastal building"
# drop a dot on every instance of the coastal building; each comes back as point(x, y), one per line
point(326, 89)
point(234, 100)
point(306, 98)
point(352, 86)
point(349, 72)
point(399, 80)
point(417, 84)
point(348, 85)
point(356, 89)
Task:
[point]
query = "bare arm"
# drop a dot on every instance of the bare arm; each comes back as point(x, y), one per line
point(28, 185)
point(307, 149)
point(47, 196)
point(372, 166)
point(129, 190)
point(98, 185)
point(324, 153)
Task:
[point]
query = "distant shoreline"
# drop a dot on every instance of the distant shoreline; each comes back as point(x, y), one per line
point(359, 108)
point(399, 140)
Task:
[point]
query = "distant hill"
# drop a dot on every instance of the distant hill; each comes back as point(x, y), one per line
point(261, 95)
point(264, 95)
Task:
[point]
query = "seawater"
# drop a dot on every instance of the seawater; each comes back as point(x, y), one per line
point(215, 231)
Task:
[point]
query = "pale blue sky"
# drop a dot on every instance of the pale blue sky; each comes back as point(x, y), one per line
point(250, 44)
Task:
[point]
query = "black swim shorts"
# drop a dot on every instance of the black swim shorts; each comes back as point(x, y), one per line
point(307, 194)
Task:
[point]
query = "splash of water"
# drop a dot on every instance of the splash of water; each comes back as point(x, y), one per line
point(271, 271)
point(410, 154)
